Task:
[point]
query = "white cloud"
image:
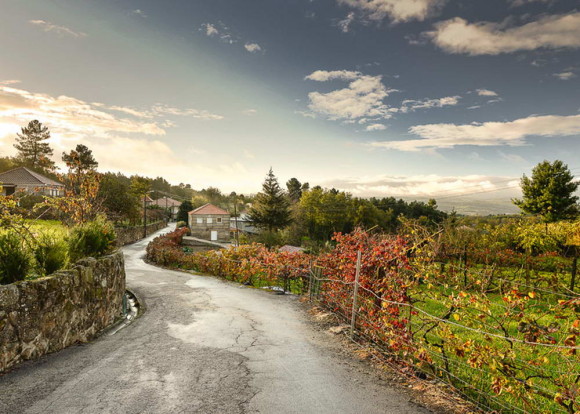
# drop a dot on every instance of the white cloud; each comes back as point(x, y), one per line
point(517, 3)
point(139, 12)
point(253, 47)
point(60, 30)
point(395, 10)
point(325, 75)
point(411, 104)
point(362, 98)
point(250, 112)
point(161, 109)
point(564, 75)
point(514, 158)
point(346, 22)
point(487, 38)
point(512, 133)
point(421, 185)
point(486, 92)
point(375, 127)
point(210, 29)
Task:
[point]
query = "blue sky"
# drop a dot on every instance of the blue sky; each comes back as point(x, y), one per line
point(412, 98)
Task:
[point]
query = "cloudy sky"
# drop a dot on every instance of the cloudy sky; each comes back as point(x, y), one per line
point(378, 97)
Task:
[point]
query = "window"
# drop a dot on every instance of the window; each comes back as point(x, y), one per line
point(209, 220)
point(199, 220)
point(218, 220)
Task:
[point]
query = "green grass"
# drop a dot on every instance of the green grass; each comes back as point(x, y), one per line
point(480, 378)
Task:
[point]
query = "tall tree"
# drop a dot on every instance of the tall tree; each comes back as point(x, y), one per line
point(294, 189)
point(183, 212)
point(549, 192)
point(271, 209)
point(33, 150)
point(80, 160)
point(81, 166)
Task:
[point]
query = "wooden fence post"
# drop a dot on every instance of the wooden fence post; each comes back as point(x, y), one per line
point(355, 293)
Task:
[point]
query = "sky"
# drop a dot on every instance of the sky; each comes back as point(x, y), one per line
point(405, 98)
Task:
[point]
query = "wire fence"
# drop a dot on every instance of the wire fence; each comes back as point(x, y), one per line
point(505, 346)
point(430, 343)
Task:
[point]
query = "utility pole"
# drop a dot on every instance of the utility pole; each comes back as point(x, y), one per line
point(236, 221)
point(144, 216)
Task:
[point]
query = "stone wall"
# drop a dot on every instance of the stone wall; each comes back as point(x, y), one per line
point(128, 235)
point(70, 306)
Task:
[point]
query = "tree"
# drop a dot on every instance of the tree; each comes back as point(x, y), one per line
point(80, 159)
point(33, 150)
point(81, 164)
point(271, 209)
point(183, 212)
point(118, 200)
point(549, 192)
point(294, 189)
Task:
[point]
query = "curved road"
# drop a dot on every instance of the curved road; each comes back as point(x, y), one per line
point(202, 346)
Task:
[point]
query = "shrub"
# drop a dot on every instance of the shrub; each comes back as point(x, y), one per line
point(51, 253)
point(14, 258)
point(94, 238)
point(180, 224)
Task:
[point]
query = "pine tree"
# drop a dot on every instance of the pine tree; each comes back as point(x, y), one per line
point(549, 192)
point(80, 160)
point(33, 151)
point(294, 189)
point(271, 209)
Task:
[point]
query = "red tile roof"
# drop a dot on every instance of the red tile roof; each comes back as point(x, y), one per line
point(166, 202)
point(209, 209)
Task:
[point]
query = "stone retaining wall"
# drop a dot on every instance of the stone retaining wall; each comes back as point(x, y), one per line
point(70, 306)
point(128, 235)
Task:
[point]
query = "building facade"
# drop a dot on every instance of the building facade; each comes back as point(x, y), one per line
point(210, 222)
point(24, 180)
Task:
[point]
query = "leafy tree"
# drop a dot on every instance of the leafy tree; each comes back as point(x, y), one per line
point(33, 150)
point(6, 163)
point(140, 186)
point(271, 209)
point(184, 209)
point(549, 192)
point(117, 199)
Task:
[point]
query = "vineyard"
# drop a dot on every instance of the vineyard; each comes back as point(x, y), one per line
point(503, 333)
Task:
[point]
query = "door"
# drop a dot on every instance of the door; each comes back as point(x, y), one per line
point(213, 235)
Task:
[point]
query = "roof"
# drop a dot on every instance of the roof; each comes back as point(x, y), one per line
point(166, 202)
point(24, 176)
point(209, 209)
point(290, 249)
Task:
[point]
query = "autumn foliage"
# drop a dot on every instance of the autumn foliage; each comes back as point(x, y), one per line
point(513, 349)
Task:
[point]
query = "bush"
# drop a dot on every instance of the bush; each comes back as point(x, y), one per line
point(14, 258)
point(51, 253)
point(180, 224)
point(94, 239)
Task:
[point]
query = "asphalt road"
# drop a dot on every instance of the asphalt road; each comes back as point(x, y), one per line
point(202, 346)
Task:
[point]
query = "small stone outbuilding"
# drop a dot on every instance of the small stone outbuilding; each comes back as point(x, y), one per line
point(210, 222)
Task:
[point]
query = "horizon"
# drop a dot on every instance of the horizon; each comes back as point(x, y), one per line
point(414, 100)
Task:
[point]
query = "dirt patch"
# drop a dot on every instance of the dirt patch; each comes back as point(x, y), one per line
point(432, 394)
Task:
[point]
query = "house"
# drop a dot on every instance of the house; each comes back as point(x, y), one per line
point(171, 205)
point(24, 180)
point(210, 222)
point(243, 224)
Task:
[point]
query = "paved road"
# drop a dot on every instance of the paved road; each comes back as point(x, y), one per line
point(202, 346)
